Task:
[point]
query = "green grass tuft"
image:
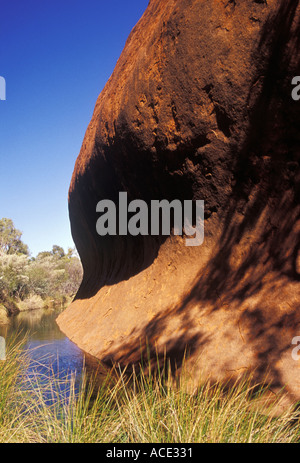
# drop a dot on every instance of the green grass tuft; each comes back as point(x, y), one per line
point(144, 406)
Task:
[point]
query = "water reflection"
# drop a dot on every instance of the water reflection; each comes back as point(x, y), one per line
point(48, 348)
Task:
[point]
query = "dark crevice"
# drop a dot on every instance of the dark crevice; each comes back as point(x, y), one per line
point(223, 120)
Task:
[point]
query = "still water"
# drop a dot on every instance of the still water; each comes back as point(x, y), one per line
point(47, 347)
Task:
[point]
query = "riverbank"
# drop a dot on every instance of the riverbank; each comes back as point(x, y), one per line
point(49, 280)
point(10, 307)
point(138, 408)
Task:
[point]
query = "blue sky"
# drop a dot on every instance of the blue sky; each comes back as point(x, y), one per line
point(56, 56)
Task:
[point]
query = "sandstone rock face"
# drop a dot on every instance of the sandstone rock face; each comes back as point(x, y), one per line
point(199, 107)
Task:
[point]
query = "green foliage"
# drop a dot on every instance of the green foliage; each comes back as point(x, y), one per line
point(13, 275)
point(52, 274)
point(58, 251)
point(10, 239)
point(141, 408)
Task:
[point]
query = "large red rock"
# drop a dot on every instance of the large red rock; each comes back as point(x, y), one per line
point(198, 107)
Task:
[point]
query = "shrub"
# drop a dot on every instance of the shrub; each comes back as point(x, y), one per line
point(32, 302)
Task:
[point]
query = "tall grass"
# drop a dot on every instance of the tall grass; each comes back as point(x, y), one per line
point(13, 419)
point(155, 409)
point(136, 408)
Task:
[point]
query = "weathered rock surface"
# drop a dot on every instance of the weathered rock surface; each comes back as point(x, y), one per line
point(199, 107)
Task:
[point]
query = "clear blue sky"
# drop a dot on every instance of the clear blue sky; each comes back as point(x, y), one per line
point(56, 56)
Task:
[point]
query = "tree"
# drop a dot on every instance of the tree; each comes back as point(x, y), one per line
point(45, 276)
point(13, 275)
point(10, 239)
point(43, 254)
point(73, 276)
point(58, 251)
point(53, 274)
